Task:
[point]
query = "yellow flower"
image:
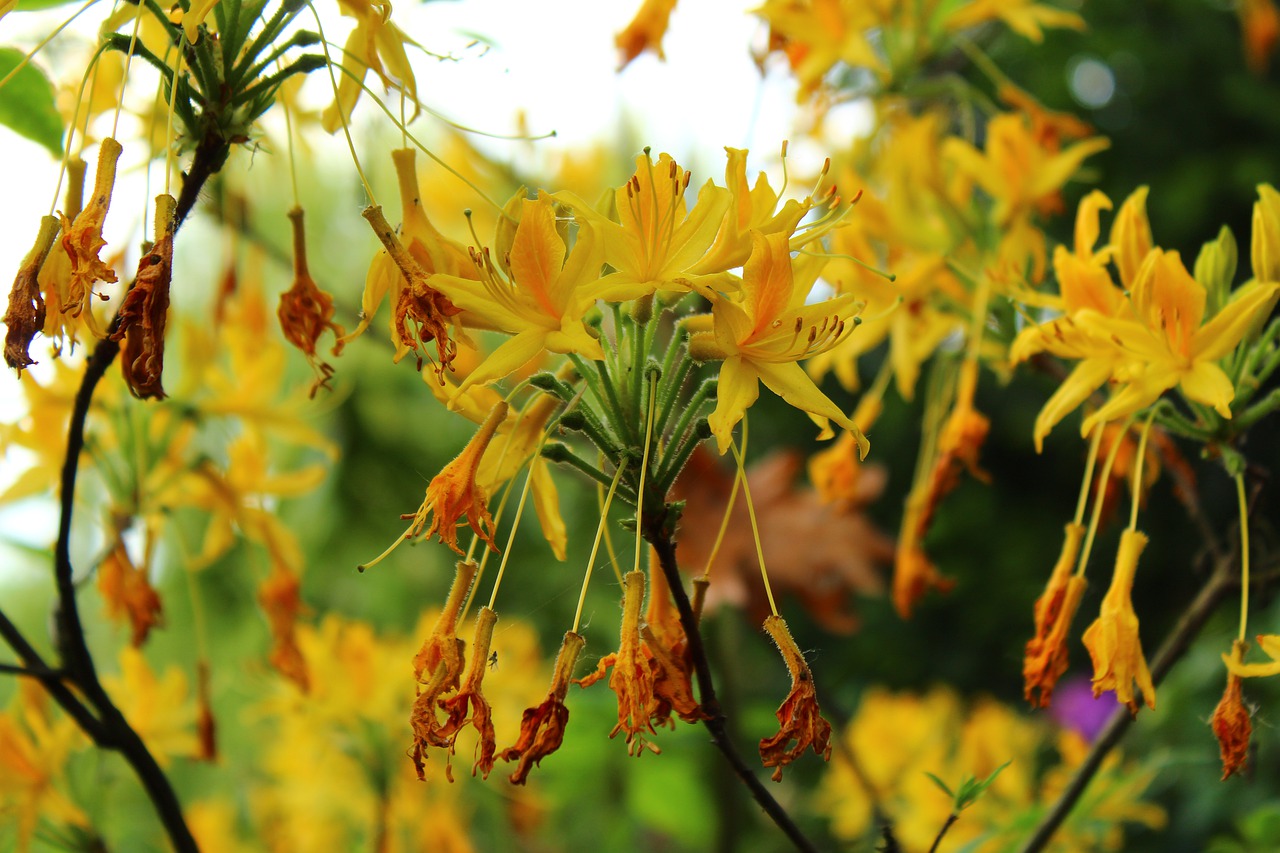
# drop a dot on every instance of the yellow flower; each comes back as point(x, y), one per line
point(762, 338)
point(1112, 639)
point(34, 749)
point(158, 709)
point(1016, 169)
point(657, 243)
point(1024, 17)
point(818, 34)
point(375, 44)
point(645, 31)
point(750, 209)
point(1168, 344)
point(1265, 247)
point(542, 304)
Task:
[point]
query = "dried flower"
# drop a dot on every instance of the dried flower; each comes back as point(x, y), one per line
point(542, 727)
point(798, 714)
point(1045, 659)
point(1231, 724)
point(145, 309)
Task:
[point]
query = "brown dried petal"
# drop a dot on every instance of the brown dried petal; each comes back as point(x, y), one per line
point(280, 598)
point(82, 238)
point(1045, 657)
point(542, 727)
point(128, 593)
point(1231, 724)
point(26, 312)
point(471, 699)
point(146, 308)
point(306, 311)
point(437, 668)
point(800, 718)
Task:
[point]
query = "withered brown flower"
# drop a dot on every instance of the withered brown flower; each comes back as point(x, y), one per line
point(802, 725)
point(542, 727)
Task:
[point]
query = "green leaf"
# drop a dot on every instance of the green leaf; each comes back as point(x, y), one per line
point(26, 103)
point(38, 5)
point(940, 784)
point(973, 789)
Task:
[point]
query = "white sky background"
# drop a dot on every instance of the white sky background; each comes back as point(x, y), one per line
point(554, 60)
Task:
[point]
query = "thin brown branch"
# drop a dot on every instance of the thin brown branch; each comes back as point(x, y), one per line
point(656, 533)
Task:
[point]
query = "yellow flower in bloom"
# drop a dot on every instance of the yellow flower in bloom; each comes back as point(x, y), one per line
point(897, 738)
point(159, 709)
point(542, 304)
point(762, 338)
point(375, 45)
point(1112, 639)
point(657, 242)
point(818, 34)
point(645, 31)
point(1168, 344)
point(1024, 17)
point(1265, 247)
point(751, 208)
point(34, 749)
point(1016, 169)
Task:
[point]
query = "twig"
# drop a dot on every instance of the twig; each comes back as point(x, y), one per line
point(655, 532)
point(951, 819)
point(108, 728)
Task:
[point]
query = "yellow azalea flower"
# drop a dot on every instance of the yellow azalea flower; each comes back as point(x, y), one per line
point(195, 16)
point(657, 242)
point(1024, 17)
point(375, 44)
point(543, 302)
point(762, 338)
point(1168, 344)
point(159, 709)
point(750, 209)
point(1131, 236)
point(1269, 643)
point(818, 34)
point(645, 31)
point(34, 749)
point(1265, 247)
point(1016, 169)
point(1112, 639)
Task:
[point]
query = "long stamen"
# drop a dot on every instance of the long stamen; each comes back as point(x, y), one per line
point(755, 526)
point(595, 546)
point(1244, 556)
point(1099, 494)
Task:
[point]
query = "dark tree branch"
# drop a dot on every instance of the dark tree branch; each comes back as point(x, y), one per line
point(655, 531)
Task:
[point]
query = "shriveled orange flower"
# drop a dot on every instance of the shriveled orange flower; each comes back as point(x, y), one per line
point(632, 678)
point(470, 700)
point(1231, 724)
point(542, 727)
point(1112, 640)
point(1045, 659)
point(82, 239)
point(305, 310)
point(453, 493)
point(128, 593)
point(26, 313)
point(645, 31)
point(802, 723)
point(914, 573)
point(281, 600)
point(1260, 21)
point(437, 669)
point(665, 639)
point(421, 313)
point(146, 308)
